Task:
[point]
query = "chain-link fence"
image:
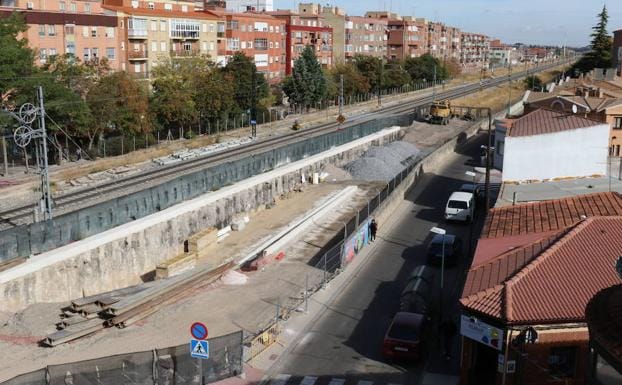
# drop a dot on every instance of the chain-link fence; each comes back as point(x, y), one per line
point(168, 366)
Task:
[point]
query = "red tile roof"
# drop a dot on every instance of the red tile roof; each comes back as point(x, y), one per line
point(527, 286)
point(604, 320)
point(539, 217)
point(544, 121)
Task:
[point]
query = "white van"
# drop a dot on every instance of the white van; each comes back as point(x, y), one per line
point(460, 207)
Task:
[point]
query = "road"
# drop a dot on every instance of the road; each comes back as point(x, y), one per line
point(342, 346)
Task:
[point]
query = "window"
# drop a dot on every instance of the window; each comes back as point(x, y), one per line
point(212, 27)
point(211, 45)
point(151, 5)
point(617, 122)
point(276, 44)
point(69, 29)
point(232, 25)
point(41, 30)
point(137, 68)
point(562, 361)
point(187, 47)
point(250, 45)
point(71, 48)
point(184, 8)
point(276, 29)
point(87, 54)
point(181, 28)
point(162, 25)
point(271, 44)
point(43, 54)
point(109, 32)
point(74, 7)
point(154, 25)
point(154, 46)
point(204, 46)
point(94, 52)
point(271, 28)
point(110, 53)
point(87, 7)
point(85, 31)
point(233, 44)
point(243, 28)
point(61, 6)
point(93, 31)
point(163, 46)
point(204, 27)
point(168, 7)
point(52, 52)
point(261, 44)
point(243, 45)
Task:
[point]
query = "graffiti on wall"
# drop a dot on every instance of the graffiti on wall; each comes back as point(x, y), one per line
point(355, 243)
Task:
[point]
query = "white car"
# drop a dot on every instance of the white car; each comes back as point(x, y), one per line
point(460, 207)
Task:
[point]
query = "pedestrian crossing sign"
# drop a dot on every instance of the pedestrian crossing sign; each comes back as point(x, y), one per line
point(199, 349)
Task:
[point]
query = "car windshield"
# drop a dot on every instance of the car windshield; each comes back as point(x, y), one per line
point(403, 332)
point(457, 205)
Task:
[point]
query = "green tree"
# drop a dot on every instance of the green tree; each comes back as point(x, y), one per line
point(423, 67)
point(369, 67)
point(533, 83)
point(353, 81)
point(307, 85)
point(394, 76)
point(16, 59)
point(600, 53)
point(214, 91)
point(241, 69)
point(173, 101)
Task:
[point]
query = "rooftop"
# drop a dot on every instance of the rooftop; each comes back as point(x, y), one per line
point(550, 280)
point(161, 12)
point(543, 121)
point(551, 215)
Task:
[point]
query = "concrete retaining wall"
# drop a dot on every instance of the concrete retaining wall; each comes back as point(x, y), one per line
point(36, 238)
point(118, 257)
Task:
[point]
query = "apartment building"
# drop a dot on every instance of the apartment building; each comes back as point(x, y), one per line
point(407, 37)
point(450, 42)
point(302, 29)
point(156, 30)
point(616, 55)
point(474, 51)
point(335, 18)
point(366, 36)
point(75, 27)
point(257, 35)
point(250, 5)
point(502, 55)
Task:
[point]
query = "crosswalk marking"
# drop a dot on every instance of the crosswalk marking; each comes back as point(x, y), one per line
point(365, 382)
point(308, 380)
point(337, 381)
point(281, 379)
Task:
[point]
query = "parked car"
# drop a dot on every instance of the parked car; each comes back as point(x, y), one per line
point(403, 340)
point(475, 189)
point(460, 207)
point(452, 250)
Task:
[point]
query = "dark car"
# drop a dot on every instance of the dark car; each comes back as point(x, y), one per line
point(475, 189)
point(452, 250)
point(403, 338)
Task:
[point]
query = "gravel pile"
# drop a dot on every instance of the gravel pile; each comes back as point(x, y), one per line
point(382, 163)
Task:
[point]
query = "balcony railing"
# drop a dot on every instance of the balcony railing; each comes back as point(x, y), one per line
point(137, 33)
point(140, 75)
point(184, 34)
point(138, 55)
point(185, 53)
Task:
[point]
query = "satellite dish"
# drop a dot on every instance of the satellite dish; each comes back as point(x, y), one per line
point(574, 108)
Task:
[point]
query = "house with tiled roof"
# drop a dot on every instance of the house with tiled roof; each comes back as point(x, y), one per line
point(604, 109)
point(549, 145)
point(535, 269)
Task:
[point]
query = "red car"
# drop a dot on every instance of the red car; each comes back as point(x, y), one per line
point(403, 339)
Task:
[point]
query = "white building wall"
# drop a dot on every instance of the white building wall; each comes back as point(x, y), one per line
point(574, 153)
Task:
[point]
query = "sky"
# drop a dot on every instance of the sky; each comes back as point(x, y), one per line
point(553, 22)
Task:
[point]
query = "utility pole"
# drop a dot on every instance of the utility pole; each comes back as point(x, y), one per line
point(340, 95)
point(5, 160)
point(434, 85)
point(42, 161)
point(379, 83)
point(254, 103)
point(509, 88)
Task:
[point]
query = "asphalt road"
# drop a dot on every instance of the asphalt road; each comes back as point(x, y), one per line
point(344, 344)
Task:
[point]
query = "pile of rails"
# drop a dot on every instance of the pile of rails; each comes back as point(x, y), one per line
point(185, 154)
point(123, 307)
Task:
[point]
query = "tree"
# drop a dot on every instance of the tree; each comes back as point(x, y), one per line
point(241, 69)
point(600, 53)
point(353, 81)
point(173, 100)
point(533, 83)
point(16, 60)
point(307, 84)
point(369, 67)
point(423, 67)
point(394, 76)
point(214, 91)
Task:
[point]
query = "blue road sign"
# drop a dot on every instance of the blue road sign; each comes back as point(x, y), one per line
point(199, 349)
point(198, 331)
point(253, 122)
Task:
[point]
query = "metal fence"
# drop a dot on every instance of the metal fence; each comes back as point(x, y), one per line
point(168, 366)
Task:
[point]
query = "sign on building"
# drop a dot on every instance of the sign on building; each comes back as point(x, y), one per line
point(481, 332)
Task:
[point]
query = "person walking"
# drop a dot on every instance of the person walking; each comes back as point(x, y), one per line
point(373, 228)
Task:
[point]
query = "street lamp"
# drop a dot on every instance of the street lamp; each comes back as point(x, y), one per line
point(443, 232)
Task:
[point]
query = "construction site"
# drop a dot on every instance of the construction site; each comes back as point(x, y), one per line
point(235, 232)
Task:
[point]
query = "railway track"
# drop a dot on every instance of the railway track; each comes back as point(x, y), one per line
point(81, 198)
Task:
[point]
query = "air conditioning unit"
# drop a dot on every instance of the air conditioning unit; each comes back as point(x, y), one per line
point(29, 5)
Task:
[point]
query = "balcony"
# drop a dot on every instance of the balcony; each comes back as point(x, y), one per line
point(138, 55)
point(185, 35)
point(133, 33)
point(140, 75)
point(181, 53)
